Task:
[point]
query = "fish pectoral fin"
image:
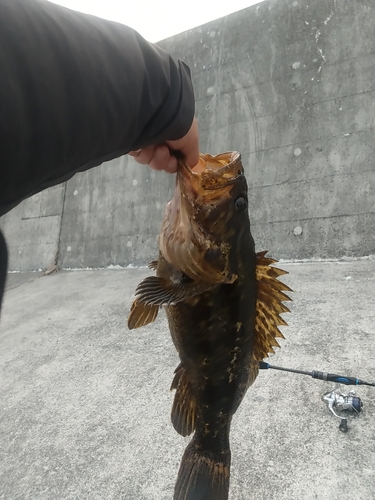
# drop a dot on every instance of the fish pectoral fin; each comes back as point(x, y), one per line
point(153, 265)
point(141, 314)
point(154, 290)
point(183, 413)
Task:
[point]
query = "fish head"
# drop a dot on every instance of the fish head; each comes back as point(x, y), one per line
point(206, 219)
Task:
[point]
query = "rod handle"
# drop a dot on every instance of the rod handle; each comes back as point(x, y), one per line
point(332, 377)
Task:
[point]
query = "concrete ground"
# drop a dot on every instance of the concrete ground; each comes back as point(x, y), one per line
point(85, 403)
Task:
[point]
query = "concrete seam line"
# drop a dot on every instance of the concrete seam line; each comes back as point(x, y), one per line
point(58, 253)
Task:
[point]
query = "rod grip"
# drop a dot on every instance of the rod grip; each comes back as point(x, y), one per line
point(332, 377)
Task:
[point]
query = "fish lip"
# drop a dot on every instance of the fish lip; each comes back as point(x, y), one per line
point(213, 178)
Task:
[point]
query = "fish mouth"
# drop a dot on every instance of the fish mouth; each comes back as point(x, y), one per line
point(211, 172)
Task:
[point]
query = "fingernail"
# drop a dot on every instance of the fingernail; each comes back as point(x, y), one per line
point(135, 153)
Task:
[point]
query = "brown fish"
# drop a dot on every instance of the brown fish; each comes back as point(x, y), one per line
point(223, 302)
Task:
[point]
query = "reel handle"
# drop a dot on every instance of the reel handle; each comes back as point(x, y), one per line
point(343, 425)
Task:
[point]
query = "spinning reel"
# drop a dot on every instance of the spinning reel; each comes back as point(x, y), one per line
point(342, 402)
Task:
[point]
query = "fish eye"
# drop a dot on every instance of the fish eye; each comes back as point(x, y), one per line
point(241, 204)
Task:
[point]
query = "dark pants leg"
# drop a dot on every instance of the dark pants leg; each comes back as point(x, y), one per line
point(3, 266)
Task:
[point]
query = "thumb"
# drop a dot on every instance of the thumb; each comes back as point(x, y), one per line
point(188, 145)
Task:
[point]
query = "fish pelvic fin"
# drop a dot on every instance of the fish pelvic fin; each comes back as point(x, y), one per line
point(269, 306)
point(203, 475)
point(183, 413)
point(141, 314)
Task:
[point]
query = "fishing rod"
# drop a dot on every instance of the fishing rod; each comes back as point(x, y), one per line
point(333, 400)
point(328, 377)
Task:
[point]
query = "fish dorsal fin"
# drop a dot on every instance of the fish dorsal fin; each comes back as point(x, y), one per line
point(154, 290)
point(269, 306)
point(141, 314)
point(183, 414)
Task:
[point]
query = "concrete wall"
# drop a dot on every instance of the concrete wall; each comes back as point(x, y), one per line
point(289, 84)
point(32, 230)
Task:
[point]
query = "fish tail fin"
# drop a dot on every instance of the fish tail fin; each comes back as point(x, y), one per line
point(203, 475)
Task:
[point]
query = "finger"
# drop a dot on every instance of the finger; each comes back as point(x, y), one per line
point(143, 156)
point(134, 153)
point(191, 154)
point(191, 149)
point(163, 160)
point(188, 145)
point(160, 158)
point(172, 165)
point(157, 157)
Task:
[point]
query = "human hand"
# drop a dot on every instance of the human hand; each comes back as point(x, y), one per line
point(161, 157)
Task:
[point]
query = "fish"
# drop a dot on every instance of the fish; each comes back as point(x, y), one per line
point(223, 303)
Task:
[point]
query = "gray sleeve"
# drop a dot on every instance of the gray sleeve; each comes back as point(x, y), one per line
point(77, 90)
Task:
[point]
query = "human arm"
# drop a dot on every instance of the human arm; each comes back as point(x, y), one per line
point(78, 91)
